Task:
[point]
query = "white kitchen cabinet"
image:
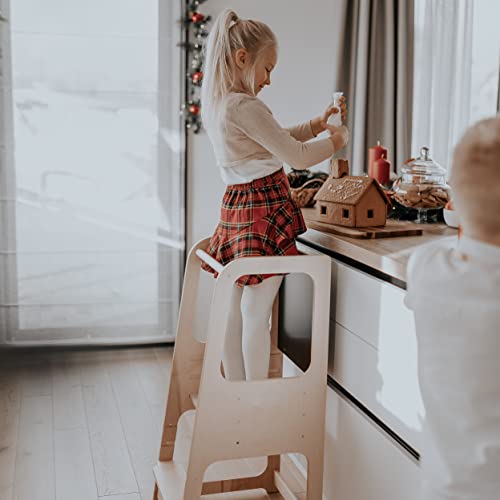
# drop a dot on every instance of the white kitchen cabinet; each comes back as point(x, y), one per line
point(375, 350)
point(361, 462)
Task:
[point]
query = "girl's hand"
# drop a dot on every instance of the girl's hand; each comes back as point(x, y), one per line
point(319, 124)
point(333, 110)
point(339, 136)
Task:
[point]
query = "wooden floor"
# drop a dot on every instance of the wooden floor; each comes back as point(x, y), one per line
point(83, 424)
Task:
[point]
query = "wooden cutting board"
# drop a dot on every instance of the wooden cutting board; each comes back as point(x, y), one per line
point(392, 229)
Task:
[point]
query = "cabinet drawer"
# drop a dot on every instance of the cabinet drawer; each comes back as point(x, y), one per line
point(383, 380)
point(367, 306)
point(361, 462)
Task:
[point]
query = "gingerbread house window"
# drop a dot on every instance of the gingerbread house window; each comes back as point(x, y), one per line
point(345, 213)
point(370, 214)
point(323, 210)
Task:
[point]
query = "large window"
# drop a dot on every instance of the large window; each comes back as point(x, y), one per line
point(485, 60)
point(92, 241)
point(457, 67)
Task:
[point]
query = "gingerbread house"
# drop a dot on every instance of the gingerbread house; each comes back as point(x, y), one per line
point(353, 201)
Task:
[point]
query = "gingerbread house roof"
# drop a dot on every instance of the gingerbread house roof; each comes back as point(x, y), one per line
point(347, 190)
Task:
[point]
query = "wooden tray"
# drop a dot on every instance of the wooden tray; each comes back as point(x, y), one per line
point(392, 229)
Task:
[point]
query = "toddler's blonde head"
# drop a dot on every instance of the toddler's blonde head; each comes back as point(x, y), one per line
point(221, 76)
point(475, 179)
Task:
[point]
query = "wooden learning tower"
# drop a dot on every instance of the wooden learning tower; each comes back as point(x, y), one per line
point(236, 421)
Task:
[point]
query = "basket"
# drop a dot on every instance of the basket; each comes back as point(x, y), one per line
point(303, 196)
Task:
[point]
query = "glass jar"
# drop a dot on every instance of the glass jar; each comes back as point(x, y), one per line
point(422, 186)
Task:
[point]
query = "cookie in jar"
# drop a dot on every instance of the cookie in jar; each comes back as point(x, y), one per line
point(422, 185)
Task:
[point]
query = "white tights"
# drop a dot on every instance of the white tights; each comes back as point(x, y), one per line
point(248, 343)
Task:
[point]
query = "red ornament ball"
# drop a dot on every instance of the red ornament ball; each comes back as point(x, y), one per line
point(197, 17)
point(194, 109)
point(197, 77)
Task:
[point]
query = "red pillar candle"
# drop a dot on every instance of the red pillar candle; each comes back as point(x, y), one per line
point(374, 153)
point(381, 170)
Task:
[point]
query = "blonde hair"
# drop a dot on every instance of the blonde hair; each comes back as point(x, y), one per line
point(228, 34)
point(475, 177)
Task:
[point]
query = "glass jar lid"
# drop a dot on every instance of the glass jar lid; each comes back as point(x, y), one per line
point(423, 165)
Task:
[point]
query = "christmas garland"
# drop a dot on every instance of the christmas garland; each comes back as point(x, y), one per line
point(195, 23)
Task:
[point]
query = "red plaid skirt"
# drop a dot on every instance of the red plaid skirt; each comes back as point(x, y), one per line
point(256, 219)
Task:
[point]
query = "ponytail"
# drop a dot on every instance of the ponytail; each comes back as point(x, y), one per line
point(228, 34)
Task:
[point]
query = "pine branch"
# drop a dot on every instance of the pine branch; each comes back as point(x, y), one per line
point(191, 110)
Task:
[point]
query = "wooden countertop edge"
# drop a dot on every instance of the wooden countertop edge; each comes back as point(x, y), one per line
point(388, 256)
point(329, 242)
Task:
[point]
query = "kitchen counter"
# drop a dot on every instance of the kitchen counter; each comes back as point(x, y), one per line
point(385, 258)
point(374, 414)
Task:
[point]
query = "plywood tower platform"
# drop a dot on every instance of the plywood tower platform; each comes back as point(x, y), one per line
point(222, 436)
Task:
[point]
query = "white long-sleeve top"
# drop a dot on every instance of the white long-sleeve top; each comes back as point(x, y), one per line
point(249, 143)
point(454, 291)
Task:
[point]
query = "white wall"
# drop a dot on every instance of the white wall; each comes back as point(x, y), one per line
point(302, 84)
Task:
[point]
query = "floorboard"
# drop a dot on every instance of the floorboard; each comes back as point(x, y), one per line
point(112, 462)
point(35, 468)
point(137, 421)
point(10, 408)
point(75, 477)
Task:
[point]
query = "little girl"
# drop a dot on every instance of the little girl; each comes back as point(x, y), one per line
point(258, 217)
